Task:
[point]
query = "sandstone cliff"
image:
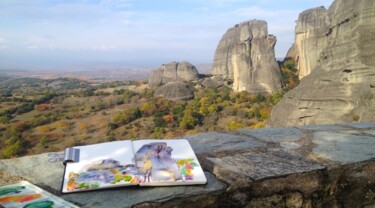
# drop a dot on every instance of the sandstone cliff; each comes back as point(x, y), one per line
point(341, 88)
point(246, 55)
point(173, 71)
point(310, 40)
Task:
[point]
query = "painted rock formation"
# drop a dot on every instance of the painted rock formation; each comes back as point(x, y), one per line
point(246, 55)
point(341, 88)
point(173, 71)
point(175, 90)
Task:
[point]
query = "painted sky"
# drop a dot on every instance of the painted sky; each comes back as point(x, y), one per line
point(62, 34)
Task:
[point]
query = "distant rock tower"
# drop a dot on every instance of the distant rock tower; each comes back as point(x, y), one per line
point(246, 55)
point(173, 71)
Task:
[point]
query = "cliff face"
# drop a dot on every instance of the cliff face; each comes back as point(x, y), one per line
point(341, 88)
point(245, 54)
point(310, 39)
point(173, 71)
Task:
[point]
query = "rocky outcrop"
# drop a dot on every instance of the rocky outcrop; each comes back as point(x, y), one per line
point(310, 166)
point(292, 53)
point(310, 40)
point(175, 91)
point(214, 82)
point(341, 88)
point(246, 55)
point(174, 71)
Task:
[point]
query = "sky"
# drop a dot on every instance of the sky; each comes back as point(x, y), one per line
point(67, 34)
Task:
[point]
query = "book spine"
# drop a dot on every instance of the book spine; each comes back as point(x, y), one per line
point(71, 155)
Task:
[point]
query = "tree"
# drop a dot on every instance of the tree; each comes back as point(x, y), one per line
point(148, 108)
point(212, 108)
point(83, 126)
point(190, 119)
point(128, 115)
point(233, 125)
point(43, 129)
point(43, 140)
point(168, 118)
point(4, 120)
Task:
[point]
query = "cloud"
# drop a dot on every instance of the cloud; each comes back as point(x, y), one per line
point(255, 12)
point(3, 43)
point(104, 47)
point(35, 43)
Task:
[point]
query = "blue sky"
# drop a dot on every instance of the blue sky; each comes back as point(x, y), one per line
point(57, 34)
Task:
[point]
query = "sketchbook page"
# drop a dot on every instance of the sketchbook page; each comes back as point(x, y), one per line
point(25, 194)
point(101, 166)
point(167, 162)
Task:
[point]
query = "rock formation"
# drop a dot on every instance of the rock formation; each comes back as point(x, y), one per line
point(175, 90)
point(246, 55)
point(292, 53)
point(310, 38)
point(173, 71)
point(341, 88)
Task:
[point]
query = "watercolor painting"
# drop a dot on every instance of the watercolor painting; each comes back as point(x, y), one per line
point(26, 195)
point(102, 173)
point(155, 164)
point(128, 163)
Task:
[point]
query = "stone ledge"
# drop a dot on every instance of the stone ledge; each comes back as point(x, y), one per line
point(307, 166)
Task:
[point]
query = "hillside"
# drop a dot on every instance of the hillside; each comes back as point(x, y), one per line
point(38, 115)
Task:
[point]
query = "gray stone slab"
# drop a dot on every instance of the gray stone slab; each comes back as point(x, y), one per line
point(372, 132)
point(47, 170)
point(272, 163)
point(218, 142)
point(274, 134)
point(321, 127)
point(38, 169)
point(360, 125)
point(344, 148)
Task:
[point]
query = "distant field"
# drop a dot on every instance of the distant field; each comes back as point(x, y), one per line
point(136, 88)
point(112, 89)
point(8, 105)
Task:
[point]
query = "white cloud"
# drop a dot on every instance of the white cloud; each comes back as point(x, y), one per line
point(255, 12)
point(104, 47)
point(3, 43)
point(35, 43)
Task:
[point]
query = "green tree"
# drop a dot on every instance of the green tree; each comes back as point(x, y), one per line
point(190, 119)
point(44, 140)
point(4, 120)
point(128, 115)
point(148, 108)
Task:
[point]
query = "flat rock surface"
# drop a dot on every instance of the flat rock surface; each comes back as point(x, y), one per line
point(274, 135)
point(220, 142)
point(259, 165)
point(344, 148)
point(235, 159)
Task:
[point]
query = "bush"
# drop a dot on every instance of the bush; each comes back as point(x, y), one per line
point(128, 115)
point(233, 125)
point(43, 140)
point(4, 120)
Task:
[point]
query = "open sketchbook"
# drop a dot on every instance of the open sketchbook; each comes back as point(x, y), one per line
point(127, 163)
point(26, 195)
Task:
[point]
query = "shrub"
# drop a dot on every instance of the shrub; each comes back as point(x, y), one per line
point(128, 115)
point(233, 125)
